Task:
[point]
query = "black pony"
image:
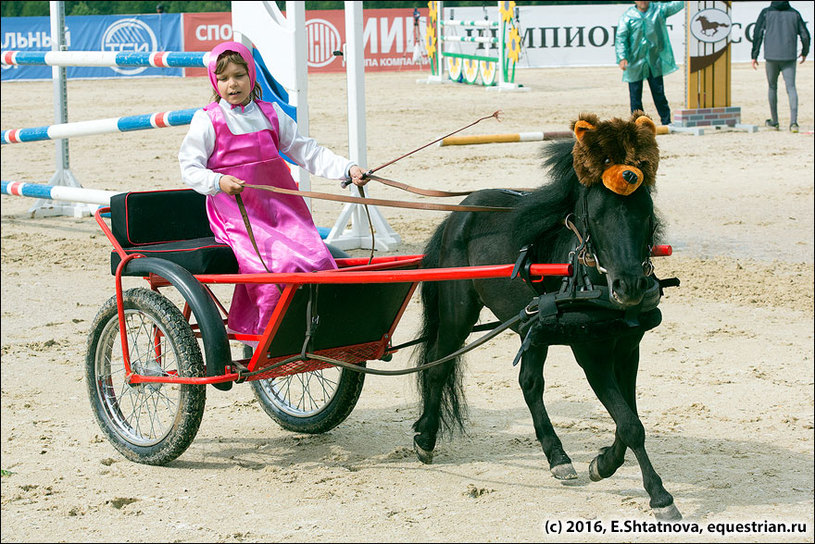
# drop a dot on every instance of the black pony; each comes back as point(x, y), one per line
point(600, 188)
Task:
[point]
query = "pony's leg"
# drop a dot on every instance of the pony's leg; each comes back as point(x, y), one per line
point(593, 358)
point(532, 385)
point(458, 312)
point(626, 356)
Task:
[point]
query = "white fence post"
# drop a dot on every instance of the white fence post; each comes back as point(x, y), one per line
point(359, 234)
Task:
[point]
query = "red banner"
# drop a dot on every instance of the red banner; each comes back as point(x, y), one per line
point(393, 38)
point(202, 32)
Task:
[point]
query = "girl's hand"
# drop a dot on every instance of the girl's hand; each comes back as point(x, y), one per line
point(356, 174)
point(231, 185)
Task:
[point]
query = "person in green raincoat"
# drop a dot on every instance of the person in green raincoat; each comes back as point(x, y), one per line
point(644, 52)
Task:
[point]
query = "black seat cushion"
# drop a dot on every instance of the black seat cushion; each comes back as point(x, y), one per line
point(199, 256)
point(171, 225)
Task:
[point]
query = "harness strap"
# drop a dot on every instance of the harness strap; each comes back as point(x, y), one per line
point(584, 256)
point(304, 356)
point(522, 265)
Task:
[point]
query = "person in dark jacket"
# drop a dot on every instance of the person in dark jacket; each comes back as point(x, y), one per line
point(779, 27)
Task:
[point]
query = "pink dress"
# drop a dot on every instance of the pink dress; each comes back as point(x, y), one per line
point(282, 224)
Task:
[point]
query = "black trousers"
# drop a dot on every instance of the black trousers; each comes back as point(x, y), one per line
point(657, 93)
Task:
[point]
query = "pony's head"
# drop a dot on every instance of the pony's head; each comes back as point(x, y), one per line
point(616, 163)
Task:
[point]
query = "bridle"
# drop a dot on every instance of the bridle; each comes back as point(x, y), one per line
point(583, 251)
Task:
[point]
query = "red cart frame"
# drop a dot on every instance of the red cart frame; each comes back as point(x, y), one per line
point(380, 270)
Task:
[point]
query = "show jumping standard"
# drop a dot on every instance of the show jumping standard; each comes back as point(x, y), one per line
point(600, 188)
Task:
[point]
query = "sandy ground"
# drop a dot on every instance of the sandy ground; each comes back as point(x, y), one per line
point(725, 386)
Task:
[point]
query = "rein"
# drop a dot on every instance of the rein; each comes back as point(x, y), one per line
point(415, 190)
point(382, 202)
point(248, 225)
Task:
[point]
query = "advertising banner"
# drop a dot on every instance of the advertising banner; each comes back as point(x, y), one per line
point(552, 36)
point(202, 32)
point(390, 37)
point(583, 35)
point(109, 33)
point(393, 38)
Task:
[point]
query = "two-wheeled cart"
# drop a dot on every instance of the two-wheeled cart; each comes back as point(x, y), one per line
point(145, 367)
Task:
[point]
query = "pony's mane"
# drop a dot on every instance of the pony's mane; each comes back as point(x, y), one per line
point(539, 216)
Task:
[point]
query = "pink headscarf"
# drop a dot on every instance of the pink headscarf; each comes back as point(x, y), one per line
point(239, 48)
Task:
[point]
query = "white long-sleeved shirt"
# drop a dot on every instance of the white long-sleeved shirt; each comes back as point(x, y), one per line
point(199, 143)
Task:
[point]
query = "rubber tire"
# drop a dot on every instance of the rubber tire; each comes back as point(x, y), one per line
point(109, 407)
point(336, 410)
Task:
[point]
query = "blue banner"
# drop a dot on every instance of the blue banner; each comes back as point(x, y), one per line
point(109, 33)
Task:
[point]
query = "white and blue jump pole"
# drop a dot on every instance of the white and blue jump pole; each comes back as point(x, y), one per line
point(280, 39)
point(99, 126)
point(63, 182)
point(57, 192)
point(156, 59)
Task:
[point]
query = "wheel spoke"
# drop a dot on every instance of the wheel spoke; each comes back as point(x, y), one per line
point(304, 394)
point(144, 412)
point(149, 422)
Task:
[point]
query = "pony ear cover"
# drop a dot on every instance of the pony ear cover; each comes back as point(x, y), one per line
point(580, 128)
point(644, 121)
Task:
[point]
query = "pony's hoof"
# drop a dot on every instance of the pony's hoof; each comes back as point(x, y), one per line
point(424, 455)
point(667, 513)
point(594, 472)
point(564, 472)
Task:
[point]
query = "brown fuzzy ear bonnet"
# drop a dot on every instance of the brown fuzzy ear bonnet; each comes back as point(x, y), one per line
point(617, 176)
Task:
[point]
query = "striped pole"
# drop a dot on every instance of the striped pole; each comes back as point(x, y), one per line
point(519, 137)
point(99, 126)
point(57, 192)
point(458, 22)
point(470, 39)
point(158, 59)
point(505, 138)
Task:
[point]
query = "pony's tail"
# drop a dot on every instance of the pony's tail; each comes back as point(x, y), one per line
point(452, 408)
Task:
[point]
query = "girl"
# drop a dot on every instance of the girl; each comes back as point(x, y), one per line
point(237, 139)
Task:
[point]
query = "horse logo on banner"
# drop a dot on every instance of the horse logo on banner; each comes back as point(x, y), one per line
point(710, 25)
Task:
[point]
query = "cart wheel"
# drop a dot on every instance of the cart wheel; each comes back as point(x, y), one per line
point(309, 402)
point(150, 423)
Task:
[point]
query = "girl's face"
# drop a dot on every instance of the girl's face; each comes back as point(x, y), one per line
point(234, 85)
